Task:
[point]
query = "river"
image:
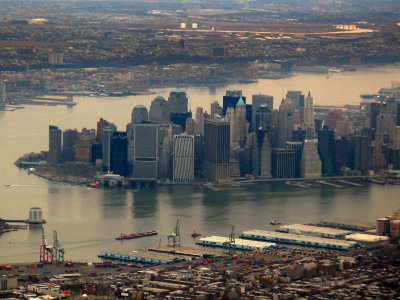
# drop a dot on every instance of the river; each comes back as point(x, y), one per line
point(87, 220)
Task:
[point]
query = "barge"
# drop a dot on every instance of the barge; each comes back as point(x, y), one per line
point(136, 235)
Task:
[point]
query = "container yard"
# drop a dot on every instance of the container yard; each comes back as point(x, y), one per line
point(239, 244)
point(348, 224)
point(289, 238)
point(141, 256)
point(314, 230)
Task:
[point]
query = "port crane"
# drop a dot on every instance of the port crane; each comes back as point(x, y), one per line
point(46, 251)
point(228, 245)
point(58, 250)
point(174, 239)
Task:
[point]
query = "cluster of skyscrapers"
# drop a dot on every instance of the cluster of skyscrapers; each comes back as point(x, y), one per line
point(237, 139)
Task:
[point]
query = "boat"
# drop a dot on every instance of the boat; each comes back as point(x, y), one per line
point(136, 235)
point(274, 222)
point(195, 234)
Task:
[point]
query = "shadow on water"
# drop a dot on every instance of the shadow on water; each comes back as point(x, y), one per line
point(145, 203)
point(114, 202)
point(181, 195)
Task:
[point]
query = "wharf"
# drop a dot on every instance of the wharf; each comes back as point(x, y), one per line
point(141, 256)
point(187, 251)
point(315, 230)
point(348, 224)
point(238, 244)
point(329, 183)
point(349, 182)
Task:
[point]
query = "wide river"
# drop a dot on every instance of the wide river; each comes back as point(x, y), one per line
point(87, 220)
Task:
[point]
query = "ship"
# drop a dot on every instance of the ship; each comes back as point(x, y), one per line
point(274, 222)
point(136, 235)
point(195, 234)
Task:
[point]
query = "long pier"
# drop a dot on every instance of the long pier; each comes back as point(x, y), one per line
point(349, 182)
point(329, 183)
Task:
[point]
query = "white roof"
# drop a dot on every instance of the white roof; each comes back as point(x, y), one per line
point(296, 237)
point(316, 229)
point(361, 237)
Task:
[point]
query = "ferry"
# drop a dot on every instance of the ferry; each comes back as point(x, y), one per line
point(136, 235)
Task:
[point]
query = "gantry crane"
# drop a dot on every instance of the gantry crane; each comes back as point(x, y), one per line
point(174, 239)
point(228, 245)
point(58, 250)
point(46, 251)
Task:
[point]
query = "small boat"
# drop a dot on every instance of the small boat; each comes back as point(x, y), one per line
point(7, 185)
point(195, 234)
point(274, 222)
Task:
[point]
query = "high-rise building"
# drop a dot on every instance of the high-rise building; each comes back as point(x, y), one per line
point(70, 138)
point(283, 163)
point(145, 150)
point(190, 127)
point(262, 118)
point(180, 118)
point(55, 153)
point(100, 126)
point(216, 109)
point(298, 150)
point(361, 145)
point(309, 111)
point(139, 114)
point(261, 101)
point(310, 164)
point(326, 150)
point(159, 110)
point(119, 153)
point(216, 149)
point(261, 156)
point(231, 99)
point(178, 101)
point(108, 133)
point(199, 120)
point(240, 131)
point(183, 156)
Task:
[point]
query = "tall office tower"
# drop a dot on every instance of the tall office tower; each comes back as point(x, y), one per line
point(231, 99)
point(263, 118)
point(299, 135)
point(378, 158)
point(260, 101)
point(295, 99)
point(361, 147)
point(240, 123)
point(396, 137)
point(310, 164)
point(341, 155)
point(139, 114)
point(159, 110)
point(261, 153)
point(190, 127)
point(3, 93)
point(287, 118)
point(178, 101)
point(230, 117)
point(180, 118)
point(199, 120)
point(309, 111)
point(216, 109)
point(198, 153)
point(183, 155)
point(55, 153)
point(70, 138)
point(326, 150)
point(108, 133)
point(100, 126)
point(283, 163)
point(216, 149)
point(165, 162)
point(145, 150)
point(119, 153)
point(298, 151)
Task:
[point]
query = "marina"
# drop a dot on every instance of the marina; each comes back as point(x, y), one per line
point(238, 244)
point(289, 238)
point(141, 256)
point(314, 230)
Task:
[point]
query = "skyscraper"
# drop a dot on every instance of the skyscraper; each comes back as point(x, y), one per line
point(216, 149)
point(178, 101)
point(3, 94)
point(139, 114)
point(262, 118)
point(261, 101)
point(119, 153)
point(231, 99)
point(216, 109)
point(199, 120)
point(145, 150)
point(70, 137)
point(326, 150)
point(183, 158)
point(298, 150)
point(283, 163)
point(55, 153)
point(361, 145)
point(309, 111)
point(159, 110)
point(310, 165)
point(180, 118)
point(240, 123)
point(261, 156)
point(108, 132)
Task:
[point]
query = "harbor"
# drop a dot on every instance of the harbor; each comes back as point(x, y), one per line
point(141, 256)
point(237, 243)
point(314, 230)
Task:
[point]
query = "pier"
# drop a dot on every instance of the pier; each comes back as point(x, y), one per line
point(349, 182)
point(187, 251)
point(329, 183)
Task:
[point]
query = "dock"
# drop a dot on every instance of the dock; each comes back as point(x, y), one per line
point(315, 230)
point(349, 182)
point(141, 256)
point(348, 224)
point(187, 251)
point(329, 183)
point(238, 244)
point(289, 238)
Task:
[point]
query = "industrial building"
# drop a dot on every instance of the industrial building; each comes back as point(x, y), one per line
point(314, 230)
point(348, 224)
point(240, 244)
point(288, 238)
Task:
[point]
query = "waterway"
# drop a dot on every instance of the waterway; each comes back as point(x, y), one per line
point(87, 220)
